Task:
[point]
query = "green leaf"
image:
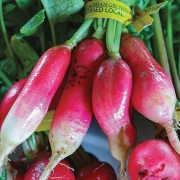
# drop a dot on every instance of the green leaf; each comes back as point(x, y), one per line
point(130, 2)
point(6, 1)
point(8, 66)
point(26, 55)
point(176, 22)
point(24, 4)
point(59, 10)
point(3, 89)
point(9, 7)
point(142, 4)
point(33, 25)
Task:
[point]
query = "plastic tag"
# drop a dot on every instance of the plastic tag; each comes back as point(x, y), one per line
point(46, 122)
point(108, 9)
point(177, 112)
point(142, 18)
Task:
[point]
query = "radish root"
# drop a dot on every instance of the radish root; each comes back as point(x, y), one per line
point(5, 150)
point(54, 160)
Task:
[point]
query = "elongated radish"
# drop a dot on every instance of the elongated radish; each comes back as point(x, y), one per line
point(74, 112)
point(10, 97)
point(154, 159)
point(153, 94)
point(32, 103)
point(111, 93)
point(111, 98)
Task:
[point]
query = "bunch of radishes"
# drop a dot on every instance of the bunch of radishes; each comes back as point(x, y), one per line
point(107, 76)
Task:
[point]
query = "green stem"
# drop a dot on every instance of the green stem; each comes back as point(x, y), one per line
point(52, 33)
point(100, 28)
point(42, 38)
point(170, 51)
point(26, 149)
point(5, 79)
point(46, 133)
point(74, 161)
point(3, 28)
point(79, 34)
point(33, 142)
point(159, 40)
point(113, 35)
point(42, 42)
point(84, 154)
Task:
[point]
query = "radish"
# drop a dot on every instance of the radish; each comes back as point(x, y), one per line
point(12, 94)
point(111, 99)
point(153, 94)
point(62, 171)
point(32, 103)
point(154, 159)
point(97, 171)
point(9, 98)
point(74, 111)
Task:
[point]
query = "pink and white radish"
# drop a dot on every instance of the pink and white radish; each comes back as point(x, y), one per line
point(153, 94)
point(111, 94)
point(111, 99)
point(33, 102)
point(74, 111)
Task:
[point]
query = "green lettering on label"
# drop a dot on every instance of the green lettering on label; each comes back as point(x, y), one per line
point(105, 9)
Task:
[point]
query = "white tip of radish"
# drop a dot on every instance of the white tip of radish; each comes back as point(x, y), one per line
point(123, 177)
point(63, 144)
point(55, 159)
point(120, 152)
point(173, 138)
point(5, 149)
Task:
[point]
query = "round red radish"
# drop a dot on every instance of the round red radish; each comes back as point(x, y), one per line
point(97, 171)
point(154, 159)
point(62, 171)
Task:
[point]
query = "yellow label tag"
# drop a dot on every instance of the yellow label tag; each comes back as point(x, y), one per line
point(155, 8)
point(141, 18)
point(46, 122)
point(108, 9)
point(177, 111)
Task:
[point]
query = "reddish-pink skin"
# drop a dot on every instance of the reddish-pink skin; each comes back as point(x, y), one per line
point(75, 103)
point(9, 98)
point(111, 97)
point(33, 102)
point(154, 159)
point(148, 79)
point(74, 111)
point(97, 171)
point(153, 94)
point(111, 94)
point(63, 170)
point(12, 94)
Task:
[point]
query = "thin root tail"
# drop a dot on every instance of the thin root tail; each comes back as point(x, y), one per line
point(55, 159)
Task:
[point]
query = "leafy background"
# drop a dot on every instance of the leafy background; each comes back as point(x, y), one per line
point(29, 27)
